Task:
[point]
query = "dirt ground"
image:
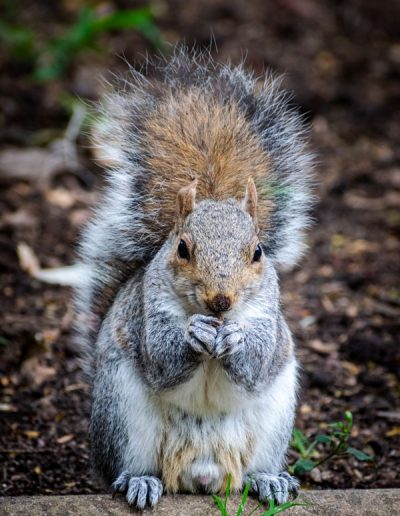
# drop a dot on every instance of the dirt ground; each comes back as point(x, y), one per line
point(342, 61)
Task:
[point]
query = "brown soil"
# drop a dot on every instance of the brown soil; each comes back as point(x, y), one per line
point(343, 302)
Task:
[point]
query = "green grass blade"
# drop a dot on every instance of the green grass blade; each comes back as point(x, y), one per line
point(271, 509)
point(140, 19)
point(220, 504)
point(119, 20)
point(244, 498)
point(227, 490)
point(299, 441)
point(309, 450)
point(256, 508)
point(283, 507)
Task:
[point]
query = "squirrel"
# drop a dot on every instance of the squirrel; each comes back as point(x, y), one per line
point(191, 363)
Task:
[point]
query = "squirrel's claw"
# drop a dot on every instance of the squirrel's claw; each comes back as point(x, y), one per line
point(121, 483)
point(201, 333)
point(140, 491)
point(266, 486)
point(229, 339)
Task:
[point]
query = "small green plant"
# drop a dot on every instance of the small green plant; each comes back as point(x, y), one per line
point(272, 509)
point(50, 59)
point(324, 447)
point(57, 55)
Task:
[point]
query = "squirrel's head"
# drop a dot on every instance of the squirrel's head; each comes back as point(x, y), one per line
point(216, 256)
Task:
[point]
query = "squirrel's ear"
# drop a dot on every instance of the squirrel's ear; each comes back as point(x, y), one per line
point(185, 202)
point(250, 201)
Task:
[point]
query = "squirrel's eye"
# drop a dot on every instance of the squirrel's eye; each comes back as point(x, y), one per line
point(183, 251)
point(257, 254)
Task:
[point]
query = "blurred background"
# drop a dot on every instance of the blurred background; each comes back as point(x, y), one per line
point(342, 61)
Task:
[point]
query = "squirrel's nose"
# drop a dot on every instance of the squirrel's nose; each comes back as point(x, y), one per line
point(220, 303)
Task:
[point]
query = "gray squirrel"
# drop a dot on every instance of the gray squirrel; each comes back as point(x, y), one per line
point(190, 361)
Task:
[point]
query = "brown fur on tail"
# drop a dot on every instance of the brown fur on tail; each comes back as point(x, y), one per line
point(194, 119)
point(191, 136)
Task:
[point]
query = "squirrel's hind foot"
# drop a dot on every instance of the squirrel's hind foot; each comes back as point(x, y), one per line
point(140, 491)
point(266, 486)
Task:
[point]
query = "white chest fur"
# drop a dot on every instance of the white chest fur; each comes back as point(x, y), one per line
point(210, 433)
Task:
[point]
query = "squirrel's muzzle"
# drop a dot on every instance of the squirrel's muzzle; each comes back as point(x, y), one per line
point(219, 303)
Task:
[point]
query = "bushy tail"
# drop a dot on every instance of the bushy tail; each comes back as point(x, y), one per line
point(193, 119)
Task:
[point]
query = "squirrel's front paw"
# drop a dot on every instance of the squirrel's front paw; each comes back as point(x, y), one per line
point(201, 333)
point(229, 338)
point(140, 491)
point(266, 486)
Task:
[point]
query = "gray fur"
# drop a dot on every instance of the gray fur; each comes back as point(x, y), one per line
point(140, 491)
point(266, 486)
point(118, 239)
point(142, 334)
point(147, 330)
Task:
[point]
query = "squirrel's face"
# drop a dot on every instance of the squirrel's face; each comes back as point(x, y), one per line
point(216, 257)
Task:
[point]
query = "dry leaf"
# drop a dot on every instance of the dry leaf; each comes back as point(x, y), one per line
point(315, 474)
point(325, 348)
point(19, 218)
point(351, 368)
point(76, 387)
point(305, 409)
point(49, 336)
point(7, 407)
point(36, 373)
point(61, 197)
point(27, 259)
point(31, 434)
point(68, 485)
point(393, 432)
point(65, 439)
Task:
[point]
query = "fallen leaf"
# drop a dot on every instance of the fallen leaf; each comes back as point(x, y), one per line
point(325, 348)
point(27, 259)
point(305, 409)
point(7, 407)
point(65, 439)
point(4, 381)
point(351, 368)
point(315, 474)
point(360, 246)
point(20, 218)
point(393, 432)
point(326, 271)
point(31, 434)
point(68, 485)
point(61, 197)
point(48, 337)
point(36, 373)
point(328, 305)
point(327, 475)
point(76, 387)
